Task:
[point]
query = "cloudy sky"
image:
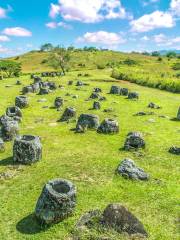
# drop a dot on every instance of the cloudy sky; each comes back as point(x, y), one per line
point(125, 25)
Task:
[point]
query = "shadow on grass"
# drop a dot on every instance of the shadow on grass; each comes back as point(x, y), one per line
point(7, 161)
point(30, 225)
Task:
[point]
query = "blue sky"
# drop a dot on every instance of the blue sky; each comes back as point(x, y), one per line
point(125, 25)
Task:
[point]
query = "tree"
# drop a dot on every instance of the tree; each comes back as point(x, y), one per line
point(60, 58)
point(46, 47)
point(10, 68)
point(171, 54)
point(155, 54)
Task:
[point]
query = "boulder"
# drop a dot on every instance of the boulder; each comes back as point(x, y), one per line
point(21, 102)
point(121, 220)
point(96, 106)
point(58, 102)
point(68, 114)
point(56, 202)
point(128, 169)
point(153, 105)
point(134, 140)
point(178, 114)
point(27, 149)
point(133, 95)
point(87, 121)
point(175, 150)
point(89, 219)
point(108, 126)
point(124, 91)
point(9, 130)
point(115, 90)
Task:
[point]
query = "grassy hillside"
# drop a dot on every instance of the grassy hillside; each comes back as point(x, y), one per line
point(89, 160)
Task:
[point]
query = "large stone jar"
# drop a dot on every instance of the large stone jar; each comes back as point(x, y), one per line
point(56, 202)
point(21, 102)
point(27, 149)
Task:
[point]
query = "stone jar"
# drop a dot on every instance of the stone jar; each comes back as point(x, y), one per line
point(13, 112)
point(56, 202)
point(21, 102)
point(9, 130)
point(96, 106)
point(134, 140)
point(89, 121)
point(115, 90)
point(58, 102)
point(27, 149)
point(108, 126)
point(133, 95)
point(68, 114)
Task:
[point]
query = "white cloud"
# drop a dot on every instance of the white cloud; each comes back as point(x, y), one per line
point(4, 38)
point(54, 25)
point(4, 50)
point(148, 2)
point(148, 22)
point(101, 38)
point(17, 31)
point(163, 40)
point(88, 11)
point(175, 7)
point(145, 38)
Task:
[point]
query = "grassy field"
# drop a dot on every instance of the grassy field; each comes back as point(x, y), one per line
point(89, 160)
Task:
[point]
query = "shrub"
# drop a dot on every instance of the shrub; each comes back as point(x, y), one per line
point(176, 66)
point(130, 62)
point(101, 66)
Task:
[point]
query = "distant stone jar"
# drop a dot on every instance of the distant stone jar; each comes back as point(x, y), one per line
point(133, 95)
point(175, 150)
point(128, 169)
point(68, 114)
point(21, 102)
point(56, 202)
point(96, 106)
point(13, 112)
point(27, 89)
point(134, 141)
point(124, 91)
point(27, 149)
point(44, 91)
point(108, 126)
point(115, 90)
point(58, 102)
point(70, 82)
point(94, 95)
point(87, 121)
point(9, 130)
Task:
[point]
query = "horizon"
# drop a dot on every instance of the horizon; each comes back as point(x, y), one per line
point(144, 25)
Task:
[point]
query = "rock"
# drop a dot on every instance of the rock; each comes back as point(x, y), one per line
point(128, 169)
point(175, 150)
point(115, 90)
point(133, 95)
point(70, 83)
point(144, 113)
point(89, 219)
point(96, 106)
point(124, 91)
point(13, 112)
point(121, 220)
point(75, 96)
point(102, 98)
point(56, 202)
point(18, 82)
point(27, 89)
point(79, 83)
point(178, 114)
point(2, 146)
point(35, 87)
point(68, 114)
point(97, 90)
point(94, 95)
point(21, 102)
point(27, 149)
point(44, 91)
point(153, 105)
point(59, 102)
point(9, 130)
point(108, 126)
point(134, 140)
point(89, 121)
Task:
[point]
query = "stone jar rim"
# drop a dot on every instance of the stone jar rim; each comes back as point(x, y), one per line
point(27, 138)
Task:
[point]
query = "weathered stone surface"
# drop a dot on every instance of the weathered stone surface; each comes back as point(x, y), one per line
point(87, 121)
point(21, 102)
point(94, 95)
point(153, 105)
point(128, 169)
point(58, 102)
point(2, 146)
point(70, 82)
point(52, 85)
point(133, 95)
point(108, 126)
point(178, 114)
point(27, 149)
point(13, 112)
point(124, 91)
point(96, 106)
point(68, 114)
point(9, 130)
point(27, 89)
point(175, 150)
point(134, 140)
point(56, 202)
point(97, 90)
point(44, 91)
point(115, 90)
point(89, 219)
point(121, 220)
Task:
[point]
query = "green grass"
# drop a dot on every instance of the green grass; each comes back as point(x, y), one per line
point(89, 160)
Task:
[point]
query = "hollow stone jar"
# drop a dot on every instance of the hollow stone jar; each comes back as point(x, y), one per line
point(56, 202)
